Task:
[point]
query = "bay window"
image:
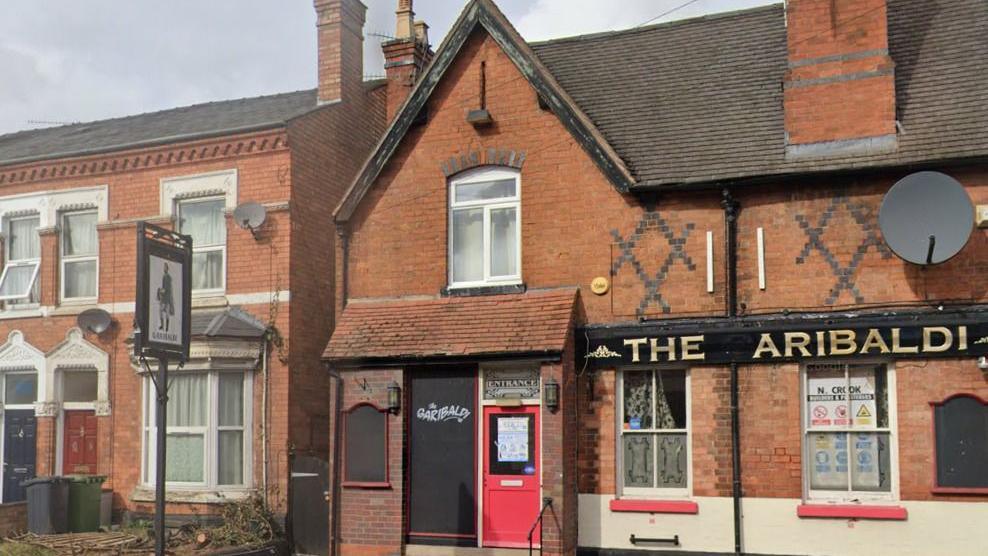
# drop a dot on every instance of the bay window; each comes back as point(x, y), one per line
point(203, 219)
point(653, 426)
point(208, 429)
point(19, 281)
point(847, 432)
point(484, 228)
point(79, 256)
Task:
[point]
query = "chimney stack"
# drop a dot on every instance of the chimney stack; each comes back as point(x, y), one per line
point(340, 39)
point(839, 92)
point(405, 56)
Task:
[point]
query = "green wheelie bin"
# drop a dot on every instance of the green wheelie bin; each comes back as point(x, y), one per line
point(84, 502)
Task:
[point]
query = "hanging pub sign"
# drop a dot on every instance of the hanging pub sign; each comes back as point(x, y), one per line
point(164, 293)
point(761, 340)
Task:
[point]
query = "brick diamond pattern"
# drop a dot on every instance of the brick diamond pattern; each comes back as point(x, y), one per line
point(652, 221)
point(845, 275)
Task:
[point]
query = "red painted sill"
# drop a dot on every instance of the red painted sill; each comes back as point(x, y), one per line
point(655, 506)
point(852, 511)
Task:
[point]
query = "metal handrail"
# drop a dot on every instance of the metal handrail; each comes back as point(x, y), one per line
point(546, 502)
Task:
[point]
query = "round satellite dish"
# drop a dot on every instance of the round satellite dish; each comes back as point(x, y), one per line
point(926, 218)
point(250, 216)
point(94, 320)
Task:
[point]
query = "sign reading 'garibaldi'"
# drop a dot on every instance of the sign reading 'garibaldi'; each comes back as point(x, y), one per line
point(724, 344)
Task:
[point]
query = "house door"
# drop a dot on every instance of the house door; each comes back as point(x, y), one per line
point(511, 475)
point(19, 436)
point(79, 449)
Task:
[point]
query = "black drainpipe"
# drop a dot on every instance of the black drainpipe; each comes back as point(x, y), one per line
point(336, 490)
point(731, 209)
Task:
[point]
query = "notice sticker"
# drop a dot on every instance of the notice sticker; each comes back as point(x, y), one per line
point(512, 439)
point(635, 423)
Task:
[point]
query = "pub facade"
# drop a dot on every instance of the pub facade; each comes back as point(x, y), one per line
point(629, 293)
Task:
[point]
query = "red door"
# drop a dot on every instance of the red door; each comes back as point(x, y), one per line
point(79, 452)
point(511, 475)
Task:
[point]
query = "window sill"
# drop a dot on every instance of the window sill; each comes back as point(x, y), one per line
point(73, 307)
point(454, 291)
point(852, 511)
point(356, 484)
point(193, 496)
point(655, 506)
point(959, 490)
point(203, 301)
point(22, 313)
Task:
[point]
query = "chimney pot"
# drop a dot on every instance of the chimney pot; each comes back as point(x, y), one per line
point(405, 18)
point(422, 33)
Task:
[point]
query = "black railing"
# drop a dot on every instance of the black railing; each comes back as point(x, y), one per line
point(546, 502)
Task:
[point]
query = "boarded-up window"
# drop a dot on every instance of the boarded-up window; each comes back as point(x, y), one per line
point(365, 446)
point(961, 425)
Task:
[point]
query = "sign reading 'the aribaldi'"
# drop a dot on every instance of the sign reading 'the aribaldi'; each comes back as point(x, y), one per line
point(788, 341)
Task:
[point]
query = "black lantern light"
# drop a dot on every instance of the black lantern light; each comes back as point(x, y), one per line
point(394, 398)
point(551, 395)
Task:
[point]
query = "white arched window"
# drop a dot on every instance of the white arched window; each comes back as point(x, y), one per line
point(485, 228)
point(78, 375)
point(20, 373)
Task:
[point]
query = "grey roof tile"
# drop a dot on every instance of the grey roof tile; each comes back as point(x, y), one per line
point(166, 126)
point(701, 99)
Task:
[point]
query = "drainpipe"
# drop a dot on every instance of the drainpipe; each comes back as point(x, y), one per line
point(335, 480)
point(344, 235)
point(731, 209)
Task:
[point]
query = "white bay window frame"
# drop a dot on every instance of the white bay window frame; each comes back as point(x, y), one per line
point(211, 432)
point(66, 259)
point(476, 176)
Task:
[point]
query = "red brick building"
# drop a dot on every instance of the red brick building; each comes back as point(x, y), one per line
point(641, 273)
point(254, 390)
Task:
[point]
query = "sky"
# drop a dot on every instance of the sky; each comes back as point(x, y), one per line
point(66, 61)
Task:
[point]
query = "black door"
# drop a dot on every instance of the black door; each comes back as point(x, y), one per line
point(309, 506)
point(19, 428)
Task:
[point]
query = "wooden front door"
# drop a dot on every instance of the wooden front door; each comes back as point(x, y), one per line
point(79, 450)
point(19, 452)
point(511, 475)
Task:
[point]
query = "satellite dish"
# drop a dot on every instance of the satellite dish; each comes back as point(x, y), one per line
point(926, 218)
point(94, 320)
point(250, 216)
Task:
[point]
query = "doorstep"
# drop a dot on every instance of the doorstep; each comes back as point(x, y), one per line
point(430, 550)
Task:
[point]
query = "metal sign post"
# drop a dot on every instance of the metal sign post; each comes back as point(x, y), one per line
point(162, 319)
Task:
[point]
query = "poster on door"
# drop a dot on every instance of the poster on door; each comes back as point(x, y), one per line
point(833, 400)
point(512, 439)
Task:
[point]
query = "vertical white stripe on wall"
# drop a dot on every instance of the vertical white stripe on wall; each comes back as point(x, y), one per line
point(761, 258)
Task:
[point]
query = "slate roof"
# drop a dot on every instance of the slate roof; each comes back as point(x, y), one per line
point(232, 322)
point(537, 321)
point(701, 99)
point(153, 128)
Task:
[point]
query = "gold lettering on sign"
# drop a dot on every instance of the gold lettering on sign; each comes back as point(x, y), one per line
point(897, 347)
point(797, 340)
point(691, 348)
point(669, 349)
point(821, 345)
point(765, 344)
point(962, 338)
point(929, 331)
point(635, 343)
point(874, 340)
point(842, 342)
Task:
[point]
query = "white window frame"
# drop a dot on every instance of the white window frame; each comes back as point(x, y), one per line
point(655, 492)
point(218, 247)
point(12, 263)
point(211, 432)
point(850, 496)
point(476, 176)
point(65, 259)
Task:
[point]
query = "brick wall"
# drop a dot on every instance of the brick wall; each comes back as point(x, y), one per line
point(371, 519)
point(13, 518)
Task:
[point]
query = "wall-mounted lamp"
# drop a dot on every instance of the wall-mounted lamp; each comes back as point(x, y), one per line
point(394, 398)
point(550, 394)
